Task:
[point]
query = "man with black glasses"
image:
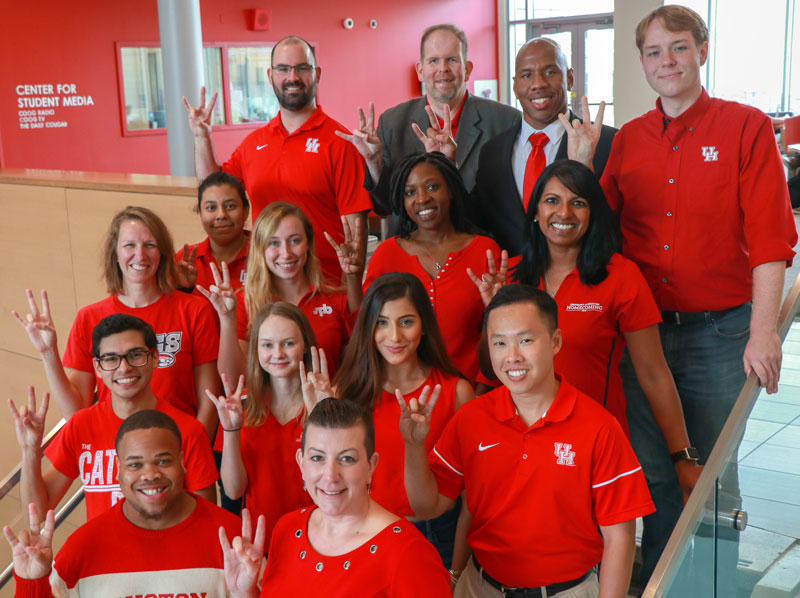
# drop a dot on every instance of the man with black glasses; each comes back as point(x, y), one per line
point(123, 348)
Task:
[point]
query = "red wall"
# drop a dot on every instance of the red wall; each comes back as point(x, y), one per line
point(53, 41)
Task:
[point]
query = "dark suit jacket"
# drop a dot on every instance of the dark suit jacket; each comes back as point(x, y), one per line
point(496, 204)
point(480, 120)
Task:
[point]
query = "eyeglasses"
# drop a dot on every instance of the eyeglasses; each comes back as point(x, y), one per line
point(134, 357)
point(300, 69)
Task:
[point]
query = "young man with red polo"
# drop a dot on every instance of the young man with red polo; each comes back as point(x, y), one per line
point(542, 466)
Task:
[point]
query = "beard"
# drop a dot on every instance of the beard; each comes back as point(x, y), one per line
point(295, 100)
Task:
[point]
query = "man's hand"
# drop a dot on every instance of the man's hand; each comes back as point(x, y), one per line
point(28, 422)
point(32, 550)
point(688, 473)
point(415, 417)
point(39, 326)
point(436, 138)
point(242, 558)
point(200, 117)
point(762, 355)
point(367, 142)
point(582, 137)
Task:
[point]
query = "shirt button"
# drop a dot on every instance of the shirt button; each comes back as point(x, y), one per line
point(672, 180)
point(666, 247)
point(669, 213)
point(691, 128)
point(674, 148)
point(663, 280)
point(525, 455)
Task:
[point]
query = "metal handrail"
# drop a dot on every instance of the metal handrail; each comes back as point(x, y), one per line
point(728, 440)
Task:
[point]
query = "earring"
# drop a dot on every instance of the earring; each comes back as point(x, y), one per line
point(535, 219)
point(304, 487)
point(369, 487)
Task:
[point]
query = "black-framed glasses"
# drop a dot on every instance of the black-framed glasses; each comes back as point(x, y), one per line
point(135, 358)
point(301, 69)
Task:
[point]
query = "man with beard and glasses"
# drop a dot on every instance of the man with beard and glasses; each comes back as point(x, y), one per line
point(146, 545)
point(296, 157)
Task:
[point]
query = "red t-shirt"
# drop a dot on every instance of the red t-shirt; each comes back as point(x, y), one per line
point(312, 168)
point(702, 200)
point(109, 556)
point(85, 449)
point(187, 336)
point(592, 320)
point(397, 562)
point(455, 299)
point(237, 268)
point(538, 493)
point(328, 315)
point(388, 481)
point(277, 488)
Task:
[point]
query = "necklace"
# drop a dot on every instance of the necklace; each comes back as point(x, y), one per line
point(547, 286)
point(436, 262)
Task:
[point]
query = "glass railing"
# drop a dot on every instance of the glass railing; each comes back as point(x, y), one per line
point(739, 533)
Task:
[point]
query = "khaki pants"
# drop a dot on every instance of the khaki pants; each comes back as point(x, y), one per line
point(472, 585)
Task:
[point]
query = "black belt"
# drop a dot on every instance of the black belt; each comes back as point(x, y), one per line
point(540, 592)
point(676, 318)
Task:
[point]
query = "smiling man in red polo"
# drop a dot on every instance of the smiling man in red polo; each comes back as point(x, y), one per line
point(542, 466)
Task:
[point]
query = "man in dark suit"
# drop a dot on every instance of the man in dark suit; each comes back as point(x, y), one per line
point(444, 70)
point(542, 81)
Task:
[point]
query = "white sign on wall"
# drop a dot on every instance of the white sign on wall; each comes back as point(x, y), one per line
point(40, 105)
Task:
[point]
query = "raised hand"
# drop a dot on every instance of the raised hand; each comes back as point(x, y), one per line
point(39, 326)
point(221, 293)
point(415, 417)
point(493, 279)
point(582, 137)
point(200, 117)
point(229, 406)
point(242, 558)
point(366, 141)
point(28, 421)
point(316, 383)
point(349, 252)
point(32, 550)
point(186, 271)
point(436, 138)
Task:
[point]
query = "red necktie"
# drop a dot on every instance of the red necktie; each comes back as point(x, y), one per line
point(534, 166)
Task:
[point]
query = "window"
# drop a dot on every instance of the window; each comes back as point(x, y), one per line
point(248, 98)
point(586, 39)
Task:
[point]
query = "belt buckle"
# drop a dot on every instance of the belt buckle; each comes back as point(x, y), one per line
point(678, 318)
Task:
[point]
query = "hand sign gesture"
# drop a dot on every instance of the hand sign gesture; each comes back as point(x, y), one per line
point(32, 550)
point(200, 117)
point(351, 258)
point(493, 279)
point(242, 558)
point(316, 383)
point(367, 141)
point(415, 417)
point(186, 271)
point(582, 137)
point(221, 293)
point(39, 326)
point(28, 422)
point(229, 407)
point(436, 138)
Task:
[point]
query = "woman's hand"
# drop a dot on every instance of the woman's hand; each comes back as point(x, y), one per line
point(32, 550)
point(415, 417)
point(349, 252)
point(229, 407)
point(185, 270)
point(242, 558)
point(493, 279)
point(221, 293)
point(39, 326)
point(316, 383)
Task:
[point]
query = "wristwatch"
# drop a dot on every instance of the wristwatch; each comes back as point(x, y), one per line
point(687, 454)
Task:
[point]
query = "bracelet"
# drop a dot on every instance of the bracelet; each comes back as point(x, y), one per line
point(232, 429)
point(454, 575)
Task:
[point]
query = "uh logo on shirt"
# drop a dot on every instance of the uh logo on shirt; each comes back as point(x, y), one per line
point(168, 345)
point(98, 471)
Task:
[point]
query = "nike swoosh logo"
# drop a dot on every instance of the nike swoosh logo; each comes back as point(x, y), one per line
point(482, 448)
point(260, 147)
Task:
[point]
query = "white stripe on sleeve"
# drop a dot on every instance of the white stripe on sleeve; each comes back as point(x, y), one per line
point(446, 463)
point(622, 475)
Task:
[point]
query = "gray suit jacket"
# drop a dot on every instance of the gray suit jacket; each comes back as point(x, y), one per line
point(480, 120)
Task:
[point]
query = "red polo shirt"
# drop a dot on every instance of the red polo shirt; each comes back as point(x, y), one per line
point(538, 493)
point(313, 168)
point(702, 200)
point(237, 268)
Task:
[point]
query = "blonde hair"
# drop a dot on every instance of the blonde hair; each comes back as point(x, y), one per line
point(258, 290)
point(165, 274)
point(256, 408)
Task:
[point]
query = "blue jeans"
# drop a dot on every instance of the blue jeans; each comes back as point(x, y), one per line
point(705, 359)
point(441, 532)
